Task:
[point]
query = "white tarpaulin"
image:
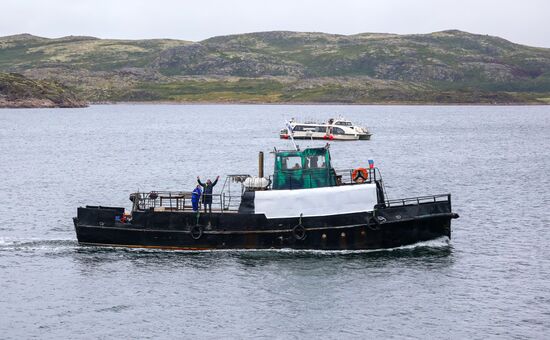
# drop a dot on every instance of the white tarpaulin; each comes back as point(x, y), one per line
point(326, 201)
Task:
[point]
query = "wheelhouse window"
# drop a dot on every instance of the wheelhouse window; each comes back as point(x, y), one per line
point(343, 123)
point(315, 162)
point(291, 163)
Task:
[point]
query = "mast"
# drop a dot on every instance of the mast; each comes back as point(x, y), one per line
point(289, 127)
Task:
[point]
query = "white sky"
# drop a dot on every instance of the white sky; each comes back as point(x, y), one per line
point(522, 21)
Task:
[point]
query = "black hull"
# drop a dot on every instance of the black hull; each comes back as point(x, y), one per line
point(386, 228)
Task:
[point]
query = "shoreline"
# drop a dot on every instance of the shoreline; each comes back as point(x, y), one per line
point(41, 104)
point(311, 103)
point(45, 104)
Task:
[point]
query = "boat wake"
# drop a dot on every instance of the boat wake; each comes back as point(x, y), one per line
point(439, 243)
point(15, 244)
point(436, 244)
point(53, 245)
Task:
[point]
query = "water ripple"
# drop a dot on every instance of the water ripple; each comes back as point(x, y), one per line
point(492, 280)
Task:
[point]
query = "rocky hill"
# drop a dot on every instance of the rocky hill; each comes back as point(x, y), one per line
point(441, 67)
point(17, 90)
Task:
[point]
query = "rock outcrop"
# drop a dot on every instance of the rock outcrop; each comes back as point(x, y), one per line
point(17, 91)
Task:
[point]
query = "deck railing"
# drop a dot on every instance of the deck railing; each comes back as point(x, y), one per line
point(345, 175)
point(418, 200)
point(181, 201)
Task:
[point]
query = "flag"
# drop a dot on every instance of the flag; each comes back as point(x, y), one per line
point(371, 164)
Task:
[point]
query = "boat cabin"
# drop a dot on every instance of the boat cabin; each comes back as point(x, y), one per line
point(339, 121)
point(302, 169)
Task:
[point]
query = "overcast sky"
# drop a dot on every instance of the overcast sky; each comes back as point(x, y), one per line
point(521, 21)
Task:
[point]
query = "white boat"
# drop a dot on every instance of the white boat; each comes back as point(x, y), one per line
point(333, 129)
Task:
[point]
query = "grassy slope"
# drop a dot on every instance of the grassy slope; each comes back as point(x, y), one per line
point(17, 90)
point(450, 66)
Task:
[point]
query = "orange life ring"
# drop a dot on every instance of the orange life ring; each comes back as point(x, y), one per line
point(359, 175)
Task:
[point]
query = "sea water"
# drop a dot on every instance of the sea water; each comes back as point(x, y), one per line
point(491, 280)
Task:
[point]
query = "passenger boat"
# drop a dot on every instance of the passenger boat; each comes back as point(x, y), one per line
point(305, 204)
point(333, 129)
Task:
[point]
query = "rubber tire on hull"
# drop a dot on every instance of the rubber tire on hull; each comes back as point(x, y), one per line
point(196, 232)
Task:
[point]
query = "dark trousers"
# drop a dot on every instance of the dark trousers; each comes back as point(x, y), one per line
point(209, 204)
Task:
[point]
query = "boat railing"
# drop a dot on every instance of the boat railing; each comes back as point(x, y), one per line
point(227, 202)
point(181, 201)
point(345, 176)
point(418, 200)
point(174, 200)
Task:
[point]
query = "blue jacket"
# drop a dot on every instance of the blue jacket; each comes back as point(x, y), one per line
point(196, 195)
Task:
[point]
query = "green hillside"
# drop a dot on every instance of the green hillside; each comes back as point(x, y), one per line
point(441, 67)
point(17, 90)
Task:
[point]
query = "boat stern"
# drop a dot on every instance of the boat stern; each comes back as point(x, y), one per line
point(91, 217)
point(419, 219)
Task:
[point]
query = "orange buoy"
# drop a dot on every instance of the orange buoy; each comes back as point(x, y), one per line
point(359, 175)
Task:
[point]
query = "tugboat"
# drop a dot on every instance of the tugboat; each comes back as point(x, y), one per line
point(305, 204)
point(333, 129)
